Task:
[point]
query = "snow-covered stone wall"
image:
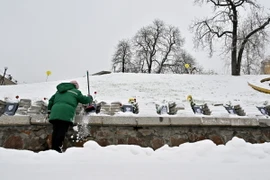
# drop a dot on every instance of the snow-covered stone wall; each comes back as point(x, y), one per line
point(34, 132)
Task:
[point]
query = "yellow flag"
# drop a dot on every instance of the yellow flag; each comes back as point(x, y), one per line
point(189, 97)
point(187, 66)
point(48, 73)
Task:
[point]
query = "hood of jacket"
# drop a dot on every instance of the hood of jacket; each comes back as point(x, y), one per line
point(63, 87)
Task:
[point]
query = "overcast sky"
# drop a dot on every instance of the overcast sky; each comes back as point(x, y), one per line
point(69, 37)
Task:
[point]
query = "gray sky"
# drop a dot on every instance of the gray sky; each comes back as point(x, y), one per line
point(69, 37)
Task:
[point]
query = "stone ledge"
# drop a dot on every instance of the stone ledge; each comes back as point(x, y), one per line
point(171, 121)
point(264, 122)
point(244, 122)
point(185, 121)
point(14, 120)
point(153, 121)
point(118, 120)
point(141, 121)
point(225, 121)
point(214, 121)
point(93, 120)
point(39, 119)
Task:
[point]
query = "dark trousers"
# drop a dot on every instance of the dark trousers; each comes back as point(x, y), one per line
point(60, 129)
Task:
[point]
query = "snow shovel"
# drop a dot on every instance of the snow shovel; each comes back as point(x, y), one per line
point(90, 107)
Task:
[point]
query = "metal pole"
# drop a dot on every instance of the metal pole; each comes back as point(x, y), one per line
point(88, 84)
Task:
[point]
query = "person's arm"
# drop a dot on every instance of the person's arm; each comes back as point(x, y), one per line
point(51, 102)
point(85, 99)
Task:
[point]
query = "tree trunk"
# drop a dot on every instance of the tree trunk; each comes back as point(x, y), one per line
point(234, 63)
point(235, 66)
point(123, 64)
point(149, 69)
point(165, 58)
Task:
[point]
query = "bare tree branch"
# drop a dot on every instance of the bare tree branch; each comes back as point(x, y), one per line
point(121, 61)
point(225, 25)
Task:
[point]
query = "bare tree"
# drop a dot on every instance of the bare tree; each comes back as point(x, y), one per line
point(121, 61)
point(157, 49)
point(251, 63)
point(225, 24)
point(146, 42)
point(171, 42)
point(251, 59)
point(178, 66)
point(156, 45)
point(255, 47)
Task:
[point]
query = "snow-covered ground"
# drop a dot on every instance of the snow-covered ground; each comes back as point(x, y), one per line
point(151, 89)
point(201, 160)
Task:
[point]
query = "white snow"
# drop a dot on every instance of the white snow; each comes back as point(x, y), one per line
point(202, 160)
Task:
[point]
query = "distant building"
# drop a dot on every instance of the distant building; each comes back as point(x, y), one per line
point(101, 73)
point(7, 80)
point(265, 66)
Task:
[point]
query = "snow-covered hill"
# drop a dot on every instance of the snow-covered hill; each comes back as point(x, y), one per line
point(151, 89)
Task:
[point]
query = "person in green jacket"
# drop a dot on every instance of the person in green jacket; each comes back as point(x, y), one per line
point(62, 108)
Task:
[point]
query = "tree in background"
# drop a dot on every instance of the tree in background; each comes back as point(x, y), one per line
point(146, 42)
point(156, 46)
point(171, 44)
point(255, 47)
point(121, 60)
point(227, 24)
point(179, 66)
point(251, 60)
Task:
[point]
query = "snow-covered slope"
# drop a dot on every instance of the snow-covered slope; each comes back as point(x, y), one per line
point(150, 89)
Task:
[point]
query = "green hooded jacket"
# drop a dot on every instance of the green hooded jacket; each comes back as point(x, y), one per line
point(62, 105)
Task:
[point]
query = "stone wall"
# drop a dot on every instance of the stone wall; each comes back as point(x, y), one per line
point(34, 132)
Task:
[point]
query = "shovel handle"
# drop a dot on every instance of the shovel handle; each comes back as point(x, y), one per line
point(88, 83)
